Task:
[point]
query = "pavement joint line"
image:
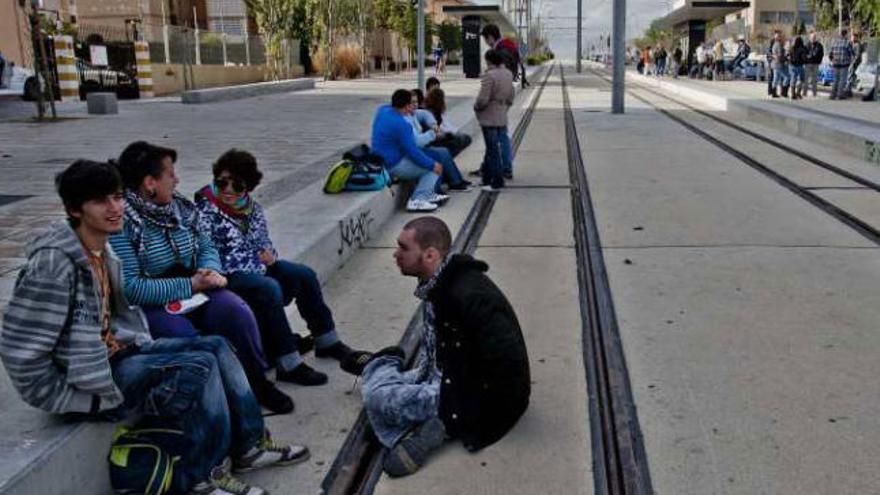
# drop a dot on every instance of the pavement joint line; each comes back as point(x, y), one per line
point(526, 246)
point(727, 246)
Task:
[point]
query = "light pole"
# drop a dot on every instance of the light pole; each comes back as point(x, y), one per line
point(579, 35)
point(617, 47)
point(420, 44)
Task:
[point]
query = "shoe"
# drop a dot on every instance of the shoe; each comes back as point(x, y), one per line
point(357, 361)
point(272, 399)
point(303, 375)
point(418, 205)
point(304, 344)
point(508, 175)
point(413, 450)
point(267, 453)
point(475, 173)
point(221, 482)
point(337, 351)
point(461, 187)
point(439, 199)
point(491, 189)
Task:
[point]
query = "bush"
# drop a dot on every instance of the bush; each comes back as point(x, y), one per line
point(539, 58)
point(348, 61)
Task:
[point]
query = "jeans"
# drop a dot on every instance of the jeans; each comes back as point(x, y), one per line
point(224, 314)
point(455, 143)
point(426, 180)
point(770, 76)
point(493, 161)
point(781, 76)
point(661, 67)
point(811, 78)
point(506, 151)
point(798, 76)
point(269, 294)
point(451, 173)
point(198, 386)
point(395, 401)
point(838, 89)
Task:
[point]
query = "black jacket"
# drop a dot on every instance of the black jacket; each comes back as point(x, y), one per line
point(815, 53)
point(481, 353)
point(799, 55)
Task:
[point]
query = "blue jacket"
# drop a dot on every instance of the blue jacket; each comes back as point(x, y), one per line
point(239, 250)
point(393, 139)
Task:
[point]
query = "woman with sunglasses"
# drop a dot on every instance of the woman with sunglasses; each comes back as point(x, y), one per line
point(166, 261)
point(238, 227)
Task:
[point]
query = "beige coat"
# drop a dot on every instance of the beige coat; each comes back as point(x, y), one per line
point(495, 98)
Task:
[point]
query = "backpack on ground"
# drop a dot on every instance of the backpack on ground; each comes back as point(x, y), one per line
point(142, 459)
point(338, 177)
point(359, 170)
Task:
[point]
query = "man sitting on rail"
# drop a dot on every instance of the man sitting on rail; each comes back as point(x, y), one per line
point(471, 380)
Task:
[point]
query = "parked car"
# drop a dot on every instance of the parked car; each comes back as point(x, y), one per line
point(865, 77)
point(94, 78)
point(22, 81)
point(826, 74)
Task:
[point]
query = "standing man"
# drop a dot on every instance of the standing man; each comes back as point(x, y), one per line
point(73, 345)
point(815, 54)
point(858, 50)
point(841, 55)
point(471, 380)
point(781, 77)
point(743, 50)
point(495, 98)
point(677, 56)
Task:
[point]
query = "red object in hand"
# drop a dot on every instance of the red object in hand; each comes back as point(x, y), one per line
point(174, 307)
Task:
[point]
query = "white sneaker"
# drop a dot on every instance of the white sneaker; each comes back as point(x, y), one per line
point(417, 205)
point(491, 189)
point(439, 198)
point(222, 482)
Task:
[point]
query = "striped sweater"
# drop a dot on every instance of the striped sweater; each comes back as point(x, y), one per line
point(51, 338)
point(143, 282)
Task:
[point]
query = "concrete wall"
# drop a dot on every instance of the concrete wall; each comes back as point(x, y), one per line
point(168, 78)
point(14, 34)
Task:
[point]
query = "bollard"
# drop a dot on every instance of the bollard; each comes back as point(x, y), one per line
point(144, 69)
point(65, 62)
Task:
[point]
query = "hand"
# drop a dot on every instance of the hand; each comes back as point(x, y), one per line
point(200, 281)
point(217, 280)
point(437, 129)
point(438, 169)
point(267, 257)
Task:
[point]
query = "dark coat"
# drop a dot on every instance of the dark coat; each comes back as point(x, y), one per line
point(482, 354)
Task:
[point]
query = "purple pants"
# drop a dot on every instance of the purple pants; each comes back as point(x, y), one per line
point(225, 314)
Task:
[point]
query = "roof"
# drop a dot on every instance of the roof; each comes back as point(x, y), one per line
point(700, 10)
point(489, 13)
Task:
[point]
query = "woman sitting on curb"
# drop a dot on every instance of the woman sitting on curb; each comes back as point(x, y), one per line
point(166, 261)
point(238, 227)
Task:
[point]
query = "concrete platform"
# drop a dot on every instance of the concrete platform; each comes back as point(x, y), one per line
point(850, 126)
point(238, 92)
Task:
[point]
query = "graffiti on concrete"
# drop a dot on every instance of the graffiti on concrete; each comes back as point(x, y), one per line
point(354, 230)
point(872, 152)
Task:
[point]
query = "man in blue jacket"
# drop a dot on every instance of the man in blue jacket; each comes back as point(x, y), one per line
point(394, 141)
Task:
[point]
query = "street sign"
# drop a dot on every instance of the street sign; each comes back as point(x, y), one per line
point(99, 55)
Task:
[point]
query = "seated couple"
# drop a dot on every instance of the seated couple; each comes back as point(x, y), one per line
point(431, 116)
point(72, 343)
point(471, 380)
point(408, 156)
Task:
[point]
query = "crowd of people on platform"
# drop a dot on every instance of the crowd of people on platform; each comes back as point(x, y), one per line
point(145, 304)
point(791, 70)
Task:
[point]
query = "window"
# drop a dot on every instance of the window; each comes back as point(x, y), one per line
point(769, 17)
point(786, 18)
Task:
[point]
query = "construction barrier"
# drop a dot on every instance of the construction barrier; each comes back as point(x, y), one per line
point(65, 62)
point(144, 69)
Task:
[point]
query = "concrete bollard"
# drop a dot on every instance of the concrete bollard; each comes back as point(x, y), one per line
point(68, 75)
point(144, 69)
point(102, 103)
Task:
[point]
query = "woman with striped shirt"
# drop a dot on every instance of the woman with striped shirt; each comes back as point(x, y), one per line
point(166, 261)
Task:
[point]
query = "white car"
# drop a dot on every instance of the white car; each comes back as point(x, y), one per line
point(865, 77)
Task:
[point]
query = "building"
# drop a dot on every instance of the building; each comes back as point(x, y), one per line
point(120, 13)
point(14, 42)
point(228, 16)
point(763, 16)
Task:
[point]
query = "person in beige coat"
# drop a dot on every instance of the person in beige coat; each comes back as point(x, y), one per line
point(493, 102)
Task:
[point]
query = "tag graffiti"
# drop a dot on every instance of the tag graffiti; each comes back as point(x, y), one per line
point(354, 230)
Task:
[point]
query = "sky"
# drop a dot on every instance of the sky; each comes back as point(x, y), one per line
point(560, 19)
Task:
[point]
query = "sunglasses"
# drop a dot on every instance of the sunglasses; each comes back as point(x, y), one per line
point(237, 184)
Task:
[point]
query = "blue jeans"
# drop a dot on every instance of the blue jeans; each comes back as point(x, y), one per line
point(196, 385)
point(493, 160)
point(798, 76)
point(426, 180)
point(506, 151)
point(451, 173)
point(781, 76)
point(269, 294)
point(841, 76)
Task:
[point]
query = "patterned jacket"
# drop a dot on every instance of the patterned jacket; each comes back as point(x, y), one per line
point(239, 248)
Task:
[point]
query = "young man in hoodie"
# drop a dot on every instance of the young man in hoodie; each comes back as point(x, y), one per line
point(471, 380)
point(72, 345)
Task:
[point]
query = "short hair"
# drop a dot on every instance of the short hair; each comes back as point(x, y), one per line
point(436, 101)
point(85, 180)
point(401, 98)
point(844, 32)
point(494, 57)
point(140, 159)
point(491, 30)
point(420, 96)
point(431, 83)
point(240, 164)
point(431, 232)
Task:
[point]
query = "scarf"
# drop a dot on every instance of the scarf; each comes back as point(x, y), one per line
point(428, 371)
point(239, 212)
point(140, 212)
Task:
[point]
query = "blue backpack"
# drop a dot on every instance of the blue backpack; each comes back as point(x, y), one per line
point(368, 171)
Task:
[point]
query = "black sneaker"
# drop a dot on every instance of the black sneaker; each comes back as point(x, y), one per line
point(337, 351)
point(303, 375)
point(358, 360)
point(508, 175)
point(273, 399)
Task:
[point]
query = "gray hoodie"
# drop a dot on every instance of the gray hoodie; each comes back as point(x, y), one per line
point(51, 338)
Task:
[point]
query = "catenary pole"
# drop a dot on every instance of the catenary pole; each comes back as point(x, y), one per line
point(420, 43)
point(580, 35)
point(617, 47)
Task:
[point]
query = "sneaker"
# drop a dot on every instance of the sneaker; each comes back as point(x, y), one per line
point(491, 189)
point(337, 351)
point(357, 361)
point(303, 375)
point(439, 199)
point(267, 453)
point(508, 175)
point(412, 451)
point(271, 398)
point(221, 482)
point(418, 205)
point(462, 187)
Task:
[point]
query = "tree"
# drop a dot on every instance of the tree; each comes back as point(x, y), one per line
point(450, 35)
point(868, 14)
point(275, 21)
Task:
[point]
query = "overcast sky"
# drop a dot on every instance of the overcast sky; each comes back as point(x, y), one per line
point(560, 19)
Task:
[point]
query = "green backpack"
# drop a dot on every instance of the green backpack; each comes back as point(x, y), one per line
point(338, 177)
point(142, 460)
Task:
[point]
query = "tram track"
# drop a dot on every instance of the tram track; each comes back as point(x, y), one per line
point(859, 225)
point(357, 467)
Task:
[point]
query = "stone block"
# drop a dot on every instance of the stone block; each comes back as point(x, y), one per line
point(102, 103)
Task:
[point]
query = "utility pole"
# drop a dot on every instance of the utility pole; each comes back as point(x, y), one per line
point(617, 47)
point(420, 44)
point(580, 54)
point(839, 17)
